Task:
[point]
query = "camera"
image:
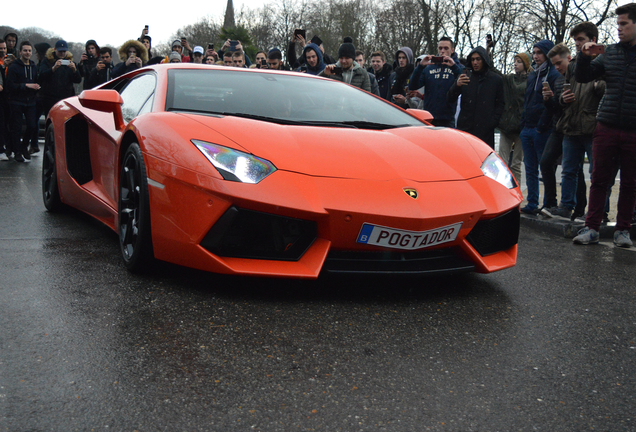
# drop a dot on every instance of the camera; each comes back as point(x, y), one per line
point(437, 59)
point(337, 70)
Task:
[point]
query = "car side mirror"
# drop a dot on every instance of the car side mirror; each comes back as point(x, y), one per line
point(421, 114)
point(108, 101)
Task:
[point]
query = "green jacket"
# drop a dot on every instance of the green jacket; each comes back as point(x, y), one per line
point(579, 117)
point(514, 91)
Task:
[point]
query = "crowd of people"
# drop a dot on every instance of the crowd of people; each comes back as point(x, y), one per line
point(556, 105)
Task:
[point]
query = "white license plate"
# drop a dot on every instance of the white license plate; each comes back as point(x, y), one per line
point(401, 239)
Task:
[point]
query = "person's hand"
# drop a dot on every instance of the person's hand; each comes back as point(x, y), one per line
point(426, 60)
point(547, 93)
point(57, 65)
point(586, 48)
point(72, 66)
point(463, 80)
point(568, 96)
point(415, 94)
point(448, 61)
point(399, 99)
point(138, 61)
point(130, 60)
point(33, 86)
point(185, 44)
point(239, 46)
point(83, 58)
point(100, 65)
point(144, 31)
point(226, 45)
point(301, 40)
point(329, 69)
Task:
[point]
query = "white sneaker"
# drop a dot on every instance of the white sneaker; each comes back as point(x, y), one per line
point(621, 239)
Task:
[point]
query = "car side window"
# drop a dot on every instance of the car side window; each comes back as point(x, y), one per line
point(136, 95)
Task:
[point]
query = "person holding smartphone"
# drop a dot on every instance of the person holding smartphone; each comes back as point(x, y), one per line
point(536, 121)
point(57, 74)
point(482, 102)
point(346, 69)
point(614, 140)
point(311, 60)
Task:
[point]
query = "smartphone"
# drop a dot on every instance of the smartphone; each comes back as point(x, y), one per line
point(489, 37)
point(263, 62)
point(468, 72)
point(146, 27)
point(597, 49)
point(337, 70)
point(437, 59)
point(211, 46)
point(301, 32)
point(546, 85)
point(233, 44)
point(65, 62)
point(567, 86)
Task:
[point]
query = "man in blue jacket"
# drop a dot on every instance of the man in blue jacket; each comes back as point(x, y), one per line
point(536, 121)
point(437, 75)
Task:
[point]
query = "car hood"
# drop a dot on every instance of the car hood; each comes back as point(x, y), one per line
point(414, 153)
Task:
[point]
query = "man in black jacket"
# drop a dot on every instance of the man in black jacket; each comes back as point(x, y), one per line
point(22, 86)
point(103, 70)
point(57, 74)
point(482, 101)
point(615, 135)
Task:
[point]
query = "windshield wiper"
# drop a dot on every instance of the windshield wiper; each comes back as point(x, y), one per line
point(361, 124)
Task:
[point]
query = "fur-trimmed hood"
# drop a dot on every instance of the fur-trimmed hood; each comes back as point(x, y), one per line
point(141, 49)
point(50, 55)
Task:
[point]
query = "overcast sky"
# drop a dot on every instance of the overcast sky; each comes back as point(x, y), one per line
point(115, 22)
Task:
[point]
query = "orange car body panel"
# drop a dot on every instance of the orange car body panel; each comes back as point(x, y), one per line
point(339, 178)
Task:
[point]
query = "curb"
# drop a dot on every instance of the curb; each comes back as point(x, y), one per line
point(567, 229)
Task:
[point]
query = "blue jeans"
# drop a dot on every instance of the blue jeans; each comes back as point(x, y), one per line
point(574, 150)
point(533, 143)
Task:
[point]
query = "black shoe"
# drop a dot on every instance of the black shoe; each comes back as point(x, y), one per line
point(18, 157)
point(529, 210)
point(26, 155)
point(34, 150)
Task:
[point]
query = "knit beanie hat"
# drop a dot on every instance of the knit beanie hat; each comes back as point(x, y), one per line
point(347, 50)
point(525, 58)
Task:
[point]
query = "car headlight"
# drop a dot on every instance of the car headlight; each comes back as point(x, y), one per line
point(497, 170)
point(235, 165)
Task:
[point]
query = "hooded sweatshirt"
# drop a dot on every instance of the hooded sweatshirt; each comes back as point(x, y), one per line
point(482, 102)
point(534, 113)
point(19, 74)
point(320, 66)
point(399, 79)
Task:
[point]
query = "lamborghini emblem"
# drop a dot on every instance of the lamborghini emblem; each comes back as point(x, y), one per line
point(411, 192)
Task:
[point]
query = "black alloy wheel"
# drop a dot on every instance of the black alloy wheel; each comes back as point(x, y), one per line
point(50, 191)
point(135, 239)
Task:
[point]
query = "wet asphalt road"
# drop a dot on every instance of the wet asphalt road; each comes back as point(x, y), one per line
point(549, 345)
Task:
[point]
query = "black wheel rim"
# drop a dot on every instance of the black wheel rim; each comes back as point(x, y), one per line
point(129, 197)
point(48, 167)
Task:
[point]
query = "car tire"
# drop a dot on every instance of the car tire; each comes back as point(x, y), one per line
point(135, 239)
point(50, 190)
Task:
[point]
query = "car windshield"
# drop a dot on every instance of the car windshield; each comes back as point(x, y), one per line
point(286, 99)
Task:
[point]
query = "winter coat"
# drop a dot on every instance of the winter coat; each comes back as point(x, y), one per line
point(58, 84)
point(579, 117)
point(19, 74)
point(122, 68)
point(359, 79)
point(618, 67)
point(482, 102)
point(437, 80)
point(382, 76)
point(98, 77)
point(534, 114)
point(514, 90)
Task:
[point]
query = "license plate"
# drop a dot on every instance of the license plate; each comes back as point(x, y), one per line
point(401, 239)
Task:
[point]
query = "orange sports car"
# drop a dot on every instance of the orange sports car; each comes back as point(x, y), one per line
point(269, 173)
